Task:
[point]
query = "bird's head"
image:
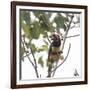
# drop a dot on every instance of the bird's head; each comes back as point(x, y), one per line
point(55, 37)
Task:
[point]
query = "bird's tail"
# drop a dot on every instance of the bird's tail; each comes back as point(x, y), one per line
point(49, 70)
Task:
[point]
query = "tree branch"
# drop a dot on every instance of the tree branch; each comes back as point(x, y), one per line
point(27, 55)
point(74, 27)
point(68, 27)
point(35, 64)
point(73, 36)
point(54, 70)
point(48, 38)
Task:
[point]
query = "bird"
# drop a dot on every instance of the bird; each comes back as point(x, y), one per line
point(54, 52)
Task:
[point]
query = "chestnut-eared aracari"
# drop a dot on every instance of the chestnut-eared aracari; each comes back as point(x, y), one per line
point(54, 52)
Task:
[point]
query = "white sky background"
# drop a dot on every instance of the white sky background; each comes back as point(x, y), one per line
point(67, 69)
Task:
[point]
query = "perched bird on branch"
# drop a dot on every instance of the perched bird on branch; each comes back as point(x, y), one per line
point(54, 52)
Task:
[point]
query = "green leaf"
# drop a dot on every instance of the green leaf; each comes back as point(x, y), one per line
point(25, 16)
point(27, 51)
point(48, 14)
point(35, 32)
point(45, 47)
point(22, 51)
point(26, 30)
point(40, 61)
point(33, 47)
point(59, 20)
point(44, 22)
point(27, 45)
point(66, 19)
point(61, 57)
point(65, 27)
point(39, 13)
point(40, 49)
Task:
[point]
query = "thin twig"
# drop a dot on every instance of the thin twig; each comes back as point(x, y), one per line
point(27, 55)
point(31, 61)
point(73, 36)
point(23, 60)
point(68, 27)
point(74, 27)
point(35, 64)
point(54, 70)
point(48, 40)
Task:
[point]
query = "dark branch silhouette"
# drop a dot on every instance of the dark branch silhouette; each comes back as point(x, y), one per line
point(73, 36)
point(68, 27)
point(25, 55)
point(35, 63)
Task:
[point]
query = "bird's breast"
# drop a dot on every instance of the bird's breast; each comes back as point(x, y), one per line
point(55, 49)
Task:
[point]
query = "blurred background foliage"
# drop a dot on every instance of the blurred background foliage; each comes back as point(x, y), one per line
point(41, 24)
